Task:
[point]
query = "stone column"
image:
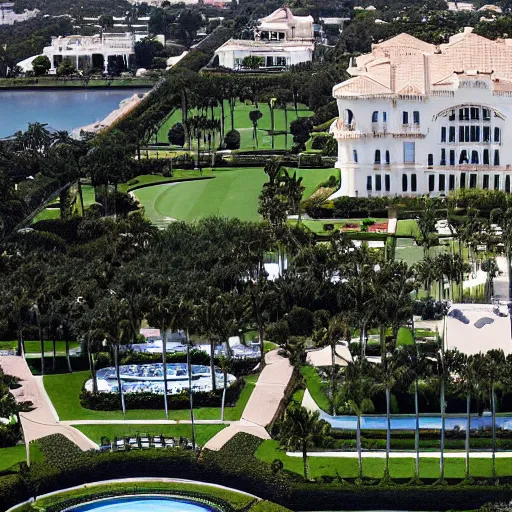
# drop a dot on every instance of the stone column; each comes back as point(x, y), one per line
point(105, 63)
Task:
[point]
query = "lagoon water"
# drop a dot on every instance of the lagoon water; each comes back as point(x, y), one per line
point(61, 109)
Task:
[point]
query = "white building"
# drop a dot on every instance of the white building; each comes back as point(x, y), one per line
point(416, 118)
point(87, 51)
point(9, 17)
point(280, 40)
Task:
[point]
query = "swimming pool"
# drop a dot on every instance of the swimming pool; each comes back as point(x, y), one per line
point(143, 503)
point(409, 422)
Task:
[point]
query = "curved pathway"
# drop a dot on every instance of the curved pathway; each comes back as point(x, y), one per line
point(263, 404)
point(42, 421)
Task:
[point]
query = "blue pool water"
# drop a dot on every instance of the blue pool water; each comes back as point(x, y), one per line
point(61, 109)
point(409, 422)
point(143, 504)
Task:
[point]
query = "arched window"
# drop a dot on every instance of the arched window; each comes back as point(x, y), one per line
point(496, 134)
point(375, 117)
point(416, 117)
point(507, 183)
point(474, 157)
point(377, 156)
point(384, 117)
point(496, 157)
point(430, 159)
point(463, 157)
point(354, 155)
point(404, 182)
point(387, 157)
point(348, 116)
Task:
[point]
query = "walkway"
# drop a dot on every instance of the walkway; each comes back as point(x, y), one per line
point(42, 421)
point(263, 404)
point(501, 283)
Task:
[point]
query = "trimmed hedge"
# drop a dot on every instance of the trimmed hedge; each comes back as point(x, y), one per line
point(111, 402)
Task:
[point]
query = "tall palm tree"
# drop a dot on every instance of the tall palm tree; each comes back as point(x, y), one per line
point(355, 400)
point(224, 365)
point(469, 374)
point(302, 429)
point(494, 367)
point(415, 369)
point(427, 234)
point(446, 363)
point(504, 221)
point(387, 374)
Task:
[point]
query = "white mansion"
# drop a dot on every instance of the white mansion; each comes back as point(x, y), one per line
point(416, 118)
point(280, 40)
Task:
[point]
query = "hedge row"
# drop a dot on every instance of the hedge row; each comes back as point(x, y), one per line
point(235, 466)
point(111, 402)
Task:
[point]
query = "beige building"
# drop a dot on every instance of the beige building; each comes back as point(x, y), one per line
point(417, 118)
point(280, 40)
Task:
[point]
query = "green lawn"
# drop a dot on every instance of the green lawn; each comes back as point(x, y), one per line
point(64, 391)
point(315, 387)
point(232, 193)
point(34, 347)
point(407, 227)
point(244, 125)
point(88, 195)
point(203, 432)
point(47, 214)
point(13, 455)
point(404, 336)
point(268, 451)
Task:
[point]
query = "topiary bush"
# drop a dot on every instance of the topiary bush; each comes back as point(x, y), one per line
point(232, 140)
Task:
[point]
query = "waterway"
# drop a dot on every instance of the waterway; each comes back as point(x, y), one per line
point(62, 109)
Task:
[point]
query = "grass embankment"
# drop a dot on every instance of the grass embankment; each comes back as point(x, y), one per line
point(233, 193)
point(203, 432)
point(268, 451)
point(64, 391)
point(12, 456)
point(244, 125)
point(315, 387)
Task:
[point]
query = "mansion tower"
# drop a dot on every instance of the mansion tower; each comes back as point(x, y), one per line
point(416, 118)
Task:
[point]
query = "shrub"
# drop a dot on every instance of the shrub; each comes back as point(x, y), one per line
point(232, 139)
point(300, 321)
point(177, 135)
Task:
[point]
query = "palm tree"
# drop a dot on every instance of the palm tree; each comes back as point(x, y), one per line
point(387, 374)
point(415, 368)
point(337, 330)
point(302, 429)
point(427, 234)
point(293, 190)
point(161, 313)
point(494, 367)
point(224, 365)
point(446, 363)
point(469, 374)
point(355, 399)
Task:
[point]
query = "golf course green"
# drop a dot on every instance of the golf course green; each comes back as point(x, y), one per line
point(231, 193)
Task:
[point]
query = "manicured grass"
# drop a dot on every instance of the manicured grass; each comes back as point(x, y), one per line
point(64, 391)
point(47, 214)
point(34, 347)
point(232, 193)
point(12, 456)
point(407, 227)
point(88, 195)
point(244, 125)
point(237, 500)
point(404, 336)
point(317, 226)
point(315, 387)
point(374, 468)
point(268, 346)
point(203, 432)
